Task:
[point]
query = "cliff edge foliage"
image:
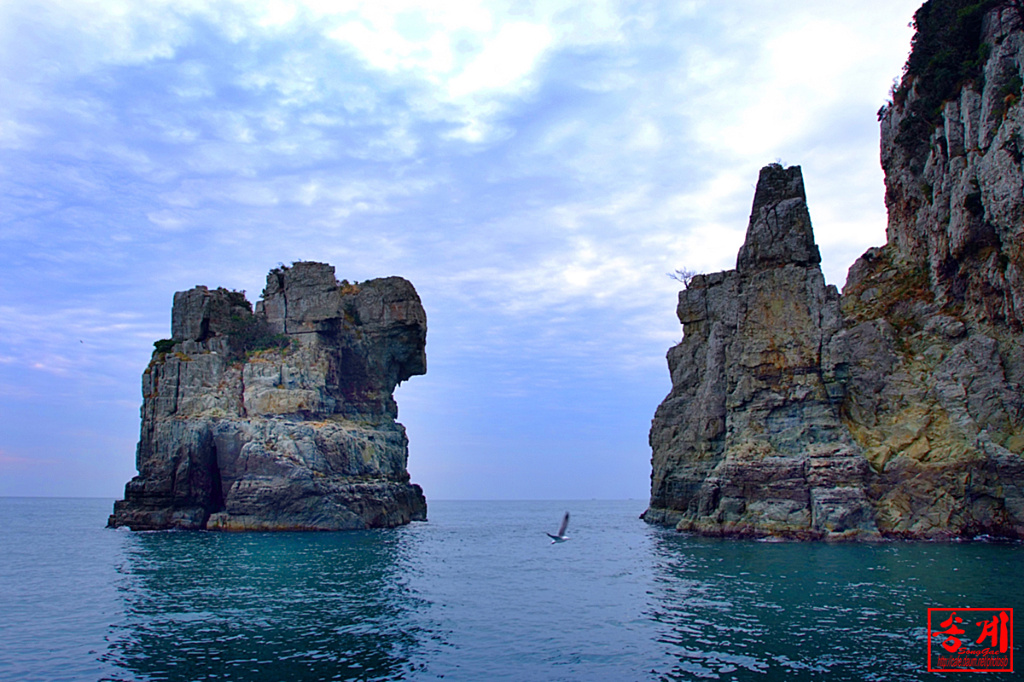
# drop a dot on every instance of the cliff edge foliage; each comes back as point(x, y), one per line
point(948, 53)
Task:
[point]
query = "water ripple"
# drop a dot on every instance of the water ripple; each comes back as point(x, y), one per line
point(477, 593)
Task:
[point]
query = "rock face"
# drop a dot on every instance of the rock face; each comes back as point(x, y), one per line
point(934, 316)
point(282, 418)
point(750, 441)
point(896, 409)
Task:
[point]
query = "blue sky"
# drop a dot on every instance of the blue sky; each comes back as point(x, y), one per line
point(534, 168)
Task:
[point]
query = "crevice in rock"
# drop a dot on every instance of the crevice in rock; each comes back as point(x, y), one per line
point(242, 410)
point(284, 304)
point(216, 503)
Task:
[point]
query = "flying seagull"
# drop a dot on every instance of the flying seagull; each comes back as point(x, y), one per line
point(561, 537)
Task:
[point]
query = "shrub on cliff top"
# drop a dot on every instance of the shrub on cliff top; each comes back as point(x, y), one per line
point(946, 53)
point(946, 50)
point(251, 333)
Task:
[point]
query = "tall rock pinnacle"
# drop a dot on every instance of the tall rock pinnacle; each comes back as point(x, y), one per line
point(750, 439)
point(779, 231)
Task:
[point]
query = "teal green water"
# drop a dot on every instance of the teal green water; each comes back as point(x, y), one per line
point(476, 593)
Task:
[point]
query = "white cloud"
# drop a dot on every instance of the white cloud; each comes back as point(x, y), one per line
point(168, 220)
point(505, 62)
point(534, 168)
point(16, 135)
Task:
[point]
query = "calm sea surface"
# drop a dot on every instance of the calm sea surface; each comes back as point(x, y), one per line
point(476, 593)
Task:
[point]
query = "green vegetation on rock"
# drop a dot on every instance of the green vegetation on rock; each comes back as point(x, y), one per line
point(946, 53)
point(249, 333)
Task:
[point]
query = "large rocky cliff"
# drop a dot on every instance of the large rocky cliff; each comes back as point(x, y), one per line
point(895, 409)
point(280, 418)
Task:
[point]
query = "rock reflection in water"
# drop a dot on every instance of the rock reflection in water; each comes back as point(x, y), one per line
point(265, 607)
point(746, 610)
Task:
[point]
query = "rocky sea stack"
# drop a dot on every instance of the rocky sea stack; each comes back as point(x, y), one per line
point(281, 418)
point(896, 408)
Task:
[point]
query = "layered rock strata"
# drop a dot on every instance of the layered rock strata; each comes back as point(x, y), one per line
point(896, 409)
point(282, 418)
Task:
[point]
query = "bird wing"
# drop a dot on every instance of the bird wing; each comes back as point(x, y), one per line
point(565, 524)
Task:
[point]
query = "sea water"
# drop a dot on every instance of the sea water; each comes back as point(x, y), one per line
point(476, 593)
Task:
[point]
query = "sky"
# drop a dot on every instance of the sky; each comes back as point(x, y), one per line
point(534, 168)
